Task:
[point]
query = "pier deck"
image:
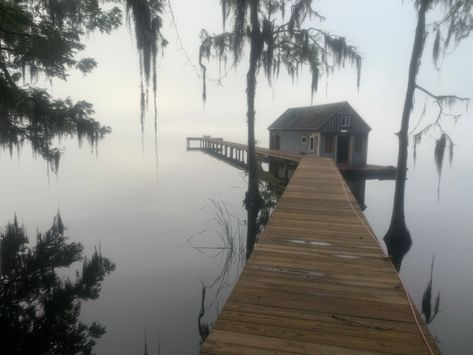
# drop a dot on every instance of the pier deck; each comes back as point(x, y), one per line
point(318, 282)
point(237, 152)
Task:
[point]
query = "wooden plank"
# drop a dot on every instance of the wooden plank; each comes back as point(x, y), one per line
point(236, 341)
point(318, 281)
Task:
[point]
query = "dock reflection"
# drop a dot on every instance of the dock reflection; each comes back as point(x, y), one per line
point(279, 171)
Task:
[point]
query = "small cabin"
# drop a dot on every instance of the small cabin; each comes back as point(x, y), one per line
point(333, 130)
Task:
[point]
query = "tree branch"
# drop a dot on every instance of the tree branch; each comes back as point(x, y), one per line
point(441, 97)
point(6, 72)
point(21, 34)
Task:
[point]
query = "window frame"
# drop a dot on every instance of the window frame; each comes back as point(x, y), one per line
point(345, 121)
point(312, 143)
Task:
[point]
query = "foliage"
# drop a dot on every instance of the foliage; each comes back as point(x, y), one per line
point(45, 38)
point(284, 41)
point(148, 23)
point(39, 309)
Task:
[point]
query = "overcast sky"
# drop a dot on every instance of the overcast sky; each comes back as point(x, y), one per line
point(383, 31)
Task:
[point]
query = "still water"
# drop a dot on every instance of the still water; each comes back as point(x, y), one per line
point(165, 224)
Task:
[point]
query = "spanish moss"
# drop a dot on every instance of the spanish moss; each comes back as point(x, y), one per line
point(44, 41)
point(146, 15)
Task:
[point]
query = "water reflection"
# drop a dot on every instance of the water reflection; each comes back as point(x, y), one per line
point(270, 186)
point(430, 308)
point(202, 324)
point(398, 248)
point(228, 248)
point(40, 308)
point(358, 188)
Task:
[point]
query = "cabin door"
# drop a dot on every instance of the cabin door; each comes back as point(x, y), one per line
point(343, 149)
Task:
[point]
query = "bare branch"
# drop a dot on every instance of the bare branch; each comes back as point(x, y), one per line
point(439, 98)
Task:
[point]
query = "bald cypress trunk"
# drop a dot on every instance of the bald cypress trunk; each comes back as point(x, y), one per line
point(398, 232)
point(252, 200)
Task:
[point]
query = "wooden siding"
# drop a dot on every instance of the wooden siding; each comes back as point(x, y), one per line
point(334, 126)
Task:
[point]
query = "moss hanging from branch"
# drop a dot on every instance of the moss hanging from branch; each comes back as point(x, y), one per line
point(44, 39)
point(146, 15)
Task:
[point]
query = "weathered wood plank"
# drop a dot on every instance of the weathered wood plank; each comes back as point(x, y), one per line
point(318, 281)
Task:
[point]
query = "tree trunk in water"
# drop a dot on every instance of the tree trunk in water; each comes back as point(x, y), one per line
point(252, 199)
point(398, 233)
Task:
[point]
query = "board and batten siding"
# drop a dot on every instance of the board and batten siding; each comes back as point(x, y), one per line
point(356, 156)
point(291, 141)
point(334, 125)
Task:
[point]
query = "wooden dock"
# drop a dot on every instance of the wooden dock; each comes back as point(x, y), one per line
point(236, 153)
point(318, 282)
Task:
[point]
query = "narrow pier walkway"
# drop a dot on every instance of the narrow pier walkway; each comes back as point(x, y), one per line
point(238, 151)
point(318, 282)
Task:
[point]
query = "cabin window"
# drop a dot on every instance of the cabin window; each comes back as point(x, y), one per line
point(328, 144)
point(345, 121)
point(304, 139)
point(358, 144)
point(312, 143)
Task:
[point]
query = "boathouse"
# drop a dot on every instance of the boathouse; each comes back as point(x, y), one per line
point(333, 130)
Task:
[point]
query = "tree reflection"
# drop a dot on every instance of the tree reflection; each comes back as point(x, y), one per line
point(229, 252)
point(39, 309)
point(202, 324)
point(398, 248)
point(270, 190)
point(430, 308)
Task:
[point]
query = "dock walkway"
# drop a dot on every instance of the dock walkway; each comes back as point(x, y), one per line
point(237, 151)
point(318, 282)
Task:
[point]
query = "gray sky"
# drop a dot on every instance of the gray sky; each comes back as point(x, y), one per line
point(382, 30)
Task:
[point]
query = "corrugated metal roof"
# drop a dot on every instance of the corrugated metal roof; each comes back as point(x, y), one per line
point(309, 117)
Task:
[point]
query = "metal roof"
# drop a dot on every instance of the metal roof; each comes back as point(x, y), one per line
point(309, 117)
